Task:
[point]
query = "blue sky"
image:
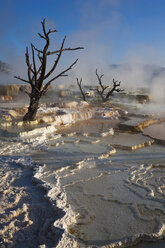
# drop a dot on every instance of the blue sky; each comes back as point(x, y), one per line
point(123, 26)
point(127, 32)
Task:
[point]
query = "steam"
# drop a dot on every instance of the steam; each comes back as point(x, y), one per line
point(158, 88)
point(102, 31)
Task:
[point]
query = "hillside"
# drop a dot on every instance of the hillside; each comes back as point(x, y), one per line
point(4, 68)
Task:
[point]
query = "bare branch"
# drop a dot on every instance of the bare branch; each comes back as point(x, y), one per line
point(51, 31)
point(81, 90)
point(43, 27)
point(34, 63)
point(114, 88)
point(27, 57)
point(43, 37)
point(101, 85)
point(100, 93)
point(59, 75)
point(44, 30)
point(44, 57)
point(57, 60)
point(58, 51)
point(115, 82)
point(39, 51)
point(39, 57)
point(63, 72)
point(105, 96)
point(103, 88)
point(65, 49)
point(39, 69)
point(99, 77)
point(24, 80)
point(28, 65)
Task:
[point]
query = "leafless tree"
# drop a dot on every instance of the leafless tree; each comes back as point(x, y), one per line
point(105, 91)
point(38, 77)
point(81, 90)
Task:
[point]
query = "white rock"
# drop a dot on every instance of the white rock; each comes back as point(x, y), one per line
point(36, 131)
point(83, 104)
point(71, 104)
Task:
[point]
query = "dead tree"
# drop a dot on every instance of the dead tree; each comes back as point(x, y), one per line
point(81, 90)
point(102, 90)
point(38, 77)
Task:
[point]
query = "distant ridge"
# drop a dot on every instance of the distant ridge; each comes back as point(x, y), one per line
point(4, 68)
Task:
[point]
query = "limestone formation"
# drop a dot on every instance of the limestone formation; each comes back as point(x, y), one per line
point(156, 132)
point(138, 124)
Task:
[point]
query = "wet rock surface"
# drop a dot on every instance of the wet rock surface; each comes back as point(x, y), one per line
point(136, 124)
point(128, 141)
point(156, 132)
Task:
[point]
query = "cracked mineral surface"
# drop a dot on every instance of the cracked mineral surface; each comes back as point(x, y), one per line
point(82, 175)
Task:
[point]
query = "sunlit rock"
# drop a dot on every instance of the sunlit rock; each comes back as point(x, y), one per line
point(65, 116)
point(89, 140)
point(37, 131)
point(106, 113)
point(71, 134)
point(27, 123)
point(110, 113)
point(75, 116)
point(95, 141)
point(47, 119)
point(6, 98)
point(138, 124)
point(74, 104)
point(110, 132)
point(47, 111)
point(100, 134)
point(6, 124)
point(83, 104)
point(127, 141)
point(15, 114)
point(90, 93)
point(68, 118)
point(9, 90)
point(64, 92)
point(108, 154)
point(19, 123)
point(6, 117)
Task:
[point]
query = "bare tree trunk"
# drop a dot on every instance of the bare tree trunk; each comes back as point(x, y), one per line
point(33, 106)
